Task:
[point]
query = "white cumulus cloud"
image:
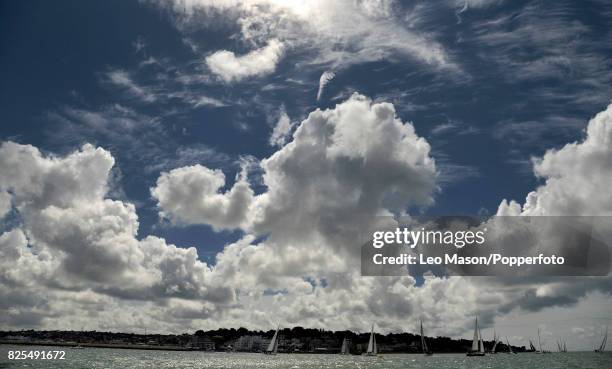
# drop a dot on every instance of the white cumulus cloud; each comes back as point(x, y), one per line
point(343, 166)
point(230, 67)
point(191, 195)
point(282, 130)
point(577, 176)
point(76, 260)
point(80, 239)
point(5, 203)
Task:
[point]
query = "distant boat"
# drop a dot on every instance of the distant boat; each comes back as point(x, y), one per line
point(372, 350)
point(531, 347)
point(495, 342)
point(477, 346)
point(540, 351)
point(510, 351)
point(602, 347)
point(273, 346)
point(561, 346)
point(344, 350)
point(424, 347)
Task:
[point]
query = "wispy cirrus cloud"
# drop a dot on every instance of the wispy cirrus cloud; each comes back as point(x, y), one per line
point(549, 43)
point(122, 79)
point(534, 132)
point(167, 87)
point(140, 140)
point(338, 33)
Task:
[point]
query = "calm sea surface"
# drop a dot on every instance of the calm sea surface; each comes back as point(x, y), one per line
point(122, 359)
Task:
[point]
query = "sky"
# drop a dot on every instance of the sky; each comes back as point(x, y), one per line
point(190, 164)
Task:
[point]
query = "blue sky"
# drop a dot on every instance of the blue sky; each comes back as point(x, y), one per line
point(505, 81)
point(484, 122)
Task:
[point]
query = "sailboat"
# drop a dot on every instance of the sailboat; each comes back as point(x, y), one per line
point(372, 350)
point(424, 347)
point(510, 351)
point(495, 342)
point(477, 346)
point(564, 347)
point(344, 350)
point(531, 347)
point(273, 346)
point(561, 346)
point(540, 351)
point(602, 347)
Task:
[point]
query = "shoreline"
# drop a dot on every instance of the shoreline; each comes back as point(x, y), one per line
point(96, 345)
point(180, 348)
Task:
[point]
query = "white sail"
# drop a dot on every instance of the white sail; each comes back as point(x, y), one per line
point(375, 347)
point(477, 348)
point(495, 341)
point(539, 341)
point(509, 347)
point(344, 350)
point(494, 347)
point(564, 347)
point(423, 343)
point(273, 346)
point(602, 347)
point(372, 343)
point(531, 346)
point(475, 340)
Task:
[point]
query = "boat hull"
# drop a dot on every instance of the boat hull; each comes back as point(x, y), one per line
point(475, 354)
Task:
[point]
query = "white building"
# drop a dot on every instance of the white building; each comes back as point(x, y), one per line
point(251, 343)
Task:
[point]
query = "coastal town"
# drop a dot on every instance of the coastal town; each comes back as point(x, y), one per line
point(290, 340)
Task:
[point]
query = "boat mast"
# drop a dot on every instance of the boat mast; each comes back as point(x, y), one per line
point(495, 341)
point(539, 340)
point(372, 343)
point(344, 349)
point(374, 340)
point(475, 340)
point(273, 346)
point(423, 343)
point(602, 347)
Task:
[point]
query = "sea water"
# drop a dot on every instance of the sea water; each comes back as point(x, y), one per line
point(103, 358)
